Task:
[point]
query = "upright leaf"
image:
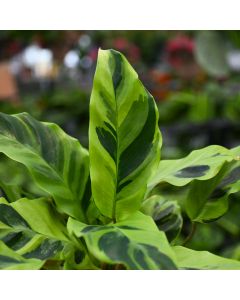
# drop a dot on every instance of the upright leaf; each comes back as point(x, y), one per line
point(124, 137)
point(57, 162)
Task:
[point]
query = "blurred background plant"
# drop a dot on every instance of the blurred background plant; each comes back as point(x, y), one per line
point(193, 75)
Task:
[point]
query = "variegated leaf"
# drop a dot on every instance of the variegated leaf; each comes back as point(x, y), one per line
point(165, 213)
point(16, 182)
point(32, 229)
point(10, 260)
point(208, 200)
point(57, 162)
point(203, 260)
point(135, 243)
point(124, 137)
point(76, 258)
point(200, 164)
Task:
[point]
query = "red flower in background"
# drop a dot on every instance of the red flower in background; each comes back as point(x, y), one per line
point(121, 44)
point(180, 50)
point(93, 53)
point(180, 56)
point(128, 48)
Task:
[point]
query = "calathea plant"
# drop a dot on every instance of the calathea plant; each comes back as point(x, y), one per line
point(100, 210)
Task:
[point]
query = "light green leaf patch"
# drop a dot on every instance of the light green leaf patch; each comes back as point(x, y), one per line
point(203, 260)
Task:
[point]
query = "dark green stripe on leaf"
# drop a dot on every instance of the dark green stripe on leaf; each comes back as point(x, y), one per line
point(121, 186)
point(113, 131)
point(16, 240)
point(87, 195)
point(117, 74)
point(160, 259)
point(108, 141)
point(218, 193)
point(78, 256)
point(6, 261)
point(10, 124)
point(232, 177)
point(45, 250)
point(110, 109)
point(93, 228)
point(11, 217)
point(115, 245)
point(126, 227)
point(193, 171)
point(140, 259)
point(163, 214)
point(45, 138)
point(138, 150)
point(120, 249)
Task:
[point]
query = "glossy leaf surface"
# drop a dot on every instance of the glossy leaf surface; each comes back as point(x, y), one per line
point(10, 260)
point(202, 164)
point(32, 229)
point(124, 137)
point(203, 260)
point(135, 243)
point(57, 162)
point(208, 200)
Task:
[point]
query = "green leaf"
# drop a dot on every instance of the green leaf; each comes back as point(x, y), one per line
point(200, 164)
point(57, 162)
point(9, 260)
point(32, 229)
point(208, 200)
point(211, 53)
point(16, 182)
point(205, 202)
point(203, 260)
point(135, 243)
point(165, 213)
point(124, 137)
point(11, 179)
point(76, 258)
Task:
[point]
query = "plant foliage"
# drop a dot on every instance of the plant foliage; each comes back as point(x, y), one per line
point(101, 210)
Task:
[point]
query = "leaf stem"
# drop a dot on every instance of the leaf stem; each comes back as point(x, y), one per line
point(191, 234)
